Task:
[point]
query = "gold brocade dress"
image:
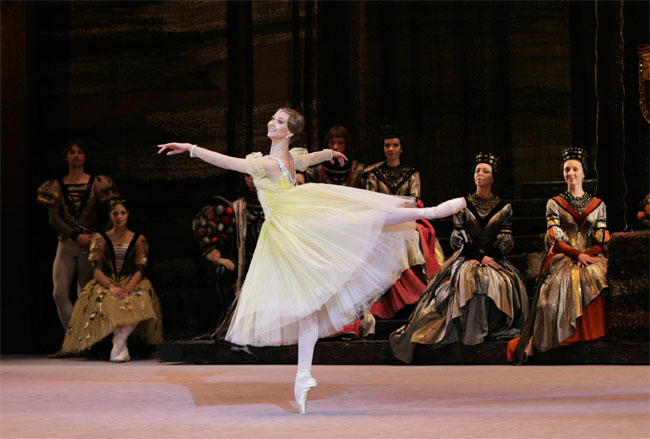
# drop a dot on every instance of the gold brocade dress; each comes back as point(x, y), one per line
point(465, 302)
point(569, 289)
point(568, 306)
point(98, 312)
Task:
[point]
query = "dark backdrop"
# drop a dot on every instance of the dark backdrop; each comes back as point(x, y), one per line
point(522, 79)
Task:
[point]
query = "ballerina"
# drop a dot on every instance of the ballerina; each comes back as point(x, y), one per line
point(324, 253)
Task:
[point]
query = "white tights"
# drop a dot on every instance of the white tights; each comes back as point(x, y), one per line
point(307, 338)
point(403, 214)
point(308, 326)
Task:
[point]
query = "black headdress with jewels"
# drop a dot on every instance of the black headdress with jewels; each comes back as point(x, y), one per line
point(575, 153)
point(490, 159)
point(391, 132)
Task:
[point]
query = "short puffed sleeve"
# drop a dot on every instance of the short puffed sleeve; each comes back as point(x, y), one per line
point(254, 164)
point(97, 251)
point(141, 252)
point(49, 193)
point(300, 158)
point(104, 188)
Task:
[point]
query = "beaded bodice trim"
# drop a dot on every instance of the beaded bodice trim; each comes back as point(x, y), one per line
point(578, 203)
point(483, 206)
point(393, 176)
point(285, 171)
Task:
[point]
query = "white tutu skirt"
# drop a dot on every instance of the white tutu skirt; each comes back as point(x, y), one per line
point(323, 255)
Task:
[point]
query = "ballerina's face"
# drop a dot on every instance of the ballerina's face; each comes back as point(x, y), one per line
point(573, 173)
point(483, 175)
point(277, 127)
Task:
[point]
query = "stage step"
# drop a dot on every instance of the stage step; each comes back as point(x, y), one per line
point(378, 352)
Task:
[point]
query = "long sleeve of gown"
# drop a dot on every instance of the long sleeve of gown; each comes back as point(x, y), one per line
point(503, 242)
point(460, 238)
point(556, 236)
point(414, 185)
point(600, 236)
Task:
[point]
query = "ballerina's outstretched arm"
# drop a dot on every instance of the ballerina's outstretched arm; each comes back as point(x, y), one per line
point(214, 158)
point(404, 214)
point(326, 155)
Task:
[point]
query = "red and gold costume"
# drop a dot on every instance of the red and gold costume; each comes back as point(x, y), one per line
point(569, 306)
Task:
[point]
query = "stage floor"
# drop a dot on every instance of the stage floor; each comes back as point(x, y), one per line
point(74, 398)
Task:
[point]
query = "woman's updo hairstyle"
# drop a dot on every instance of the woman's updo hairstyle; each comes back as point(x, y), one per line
point(295, 122)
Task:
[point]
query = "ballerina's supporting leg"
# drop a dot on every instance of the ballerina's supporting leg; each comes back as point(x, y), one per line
point(307, 339)
point(404, 214)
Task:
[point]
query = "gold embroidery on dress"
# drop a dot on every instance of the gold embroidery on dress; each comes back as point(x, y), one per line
point(395, 177)
point(483, 205)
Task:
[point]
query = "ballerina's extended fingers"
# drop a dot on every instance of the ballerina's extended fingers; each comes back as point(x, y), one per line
point(174, 148)
point(340, 157)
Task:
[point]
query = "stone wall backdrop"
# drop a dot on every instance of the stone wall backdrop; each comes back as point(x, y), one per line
point(516, 78)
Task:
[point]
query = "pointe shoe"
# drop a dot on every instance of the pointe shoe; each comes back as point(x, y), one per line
point(304, 383)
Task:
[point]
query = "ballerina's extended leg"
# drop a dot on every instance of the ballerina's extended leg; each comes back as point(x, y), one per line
point(403, 214)
point(304, 381)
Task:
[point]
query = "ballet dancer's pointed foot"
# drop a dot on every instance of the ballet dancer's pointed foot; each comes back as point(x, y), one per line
point(444, 209)
point(304, 383)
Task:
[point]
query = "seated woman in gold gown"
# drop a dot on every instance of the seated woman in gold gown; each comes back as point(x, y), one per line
point(568, 306)
point(119, 299)
point(478, 293)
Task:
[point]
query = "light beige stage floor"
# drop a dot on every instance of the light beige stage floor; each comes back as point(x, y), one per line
point(72, 398)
